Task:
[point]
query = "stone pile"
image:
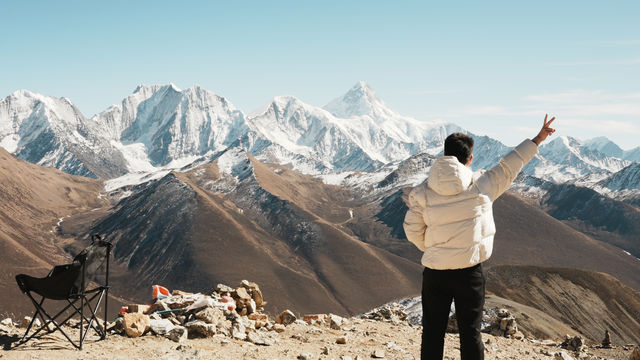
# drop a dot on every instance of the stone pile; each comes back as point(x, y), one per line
point(231, 312)
point(606, 342)
point(393, 313)
point(504, 324)
point(574, 343)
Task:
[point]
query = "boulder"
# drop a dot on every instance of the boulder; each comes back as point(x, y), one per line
point(378, 354)
point(24, 323)
point(177, 334)
point(222, 289)
point(336, 322)
point(4, 329)
point(210, 315)
point(135, 324)
point(286, 317)
point(341, 340)
point(238, 331)
point(305, 356)
point(199, 328)
point(278, 328)
point(161, 327)
point(7, 322)
point(261, 338)
point(575, 343)
point(314, 318)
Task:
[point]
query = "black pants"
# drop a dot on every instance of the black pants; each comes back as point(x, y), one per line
point(466, 288)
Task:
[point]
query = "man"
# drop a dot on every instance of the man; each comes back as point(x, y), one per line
point(450, 218)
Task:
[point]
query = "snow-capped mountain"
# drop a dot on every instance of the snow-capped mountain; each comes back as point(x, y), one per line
point(566, 159)
point(625, 179)
point(609, 148)
point(158, 128)
point(160, 124)
point(52, 132)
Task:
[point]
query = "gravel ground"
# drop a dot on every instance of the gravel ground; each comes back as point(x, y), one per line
point(363, 338)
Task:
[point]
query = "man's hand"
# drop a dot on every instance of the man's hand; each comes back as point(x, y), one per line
point(545, 131)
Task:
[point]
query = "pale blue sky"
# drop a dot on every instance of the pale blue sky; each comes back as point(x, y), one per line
point(493, 67)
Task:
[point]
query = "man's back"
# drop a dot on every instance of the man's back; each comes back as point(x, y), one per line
point(450, 216)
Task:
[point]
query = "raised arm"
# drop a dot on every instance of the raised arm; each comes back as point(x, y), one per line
point(496, 181)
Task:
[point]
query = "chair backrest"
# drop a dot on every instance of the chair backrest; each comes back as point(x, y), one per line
point(91, 259)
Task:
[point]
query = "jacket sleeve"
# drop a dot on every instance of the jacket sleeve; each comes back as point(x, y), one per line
point(496, 181)
point(414, 225)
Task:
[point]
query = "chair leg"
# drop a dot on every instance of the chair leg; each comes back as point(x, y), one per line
point(47, 319)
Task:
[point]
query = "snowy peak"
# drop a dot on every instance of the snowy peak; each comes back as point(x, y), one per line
point(360, 100)
point(605, 146)
point(625, 179)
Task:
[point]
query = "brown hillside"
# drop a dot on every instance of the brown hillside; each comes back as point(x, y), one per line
point(527, 235)
point(181, 233)
point(32, 200)
point(589, 301)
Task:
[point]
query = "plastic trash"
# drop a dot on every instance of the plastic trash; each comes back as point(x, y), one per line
point(160, 292)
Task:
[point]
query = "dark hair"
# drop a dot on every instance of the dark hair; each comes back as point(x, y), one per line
point(459, 145)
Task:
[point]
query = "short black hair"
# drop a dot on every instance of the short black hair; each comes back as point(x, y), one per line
point(459, 145)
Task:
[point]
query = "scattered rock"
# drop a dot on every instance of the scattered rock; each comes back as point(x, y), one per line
point(345, 357)
point(24, 323)
point(341, 340)
point(238, 331)
point(378, 354)
point(314, 318)
point(261, 338)
point(161, 327)
point(286, 317)
point(177, 334)
point(575, 343)
point(210, 315)
point(562, 355)
point(7, 322)
point(135, 324)
point(325, 350)
point(199, 328)
point(278, 328)
point(336, 322)
point(4, 329)
point(635, 355)
point(305, 356)
point(394, 313)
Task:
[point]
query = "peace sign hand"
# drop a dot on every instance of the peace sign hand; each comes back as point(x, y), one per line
point(545, 131)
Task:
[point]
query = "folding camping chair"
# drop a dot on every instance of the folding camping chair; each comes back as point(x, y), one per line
point(69, 282)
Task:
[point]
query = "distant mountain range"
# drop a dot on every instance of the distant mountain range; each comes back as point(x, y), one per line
point(164, 127)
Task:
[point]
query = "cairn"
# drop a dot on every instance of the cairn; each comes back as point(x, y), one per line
point(606, 342)
point(505, 325)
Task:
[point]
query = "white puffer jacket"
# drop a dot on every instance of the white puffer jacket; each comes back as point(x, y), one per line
point(450, 216)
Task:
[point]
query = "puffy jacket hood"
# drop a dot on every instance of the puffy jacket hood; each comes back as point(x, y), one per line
point(449, 177)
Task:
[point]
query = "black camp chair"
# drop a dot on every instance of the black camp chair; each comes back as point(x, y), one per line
point(69, 282)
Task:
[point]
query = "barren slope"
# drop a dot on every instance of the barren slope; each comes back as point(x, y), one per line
point(588, 301)
point(181, 232)
point(32, 200)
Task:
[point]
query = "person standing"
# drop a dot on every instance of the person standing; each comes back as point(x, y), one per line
point(450, 218)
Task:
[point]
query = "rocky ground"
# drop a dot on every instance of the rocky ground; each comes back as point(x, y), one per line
point(364, 338)
point(229, 323)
